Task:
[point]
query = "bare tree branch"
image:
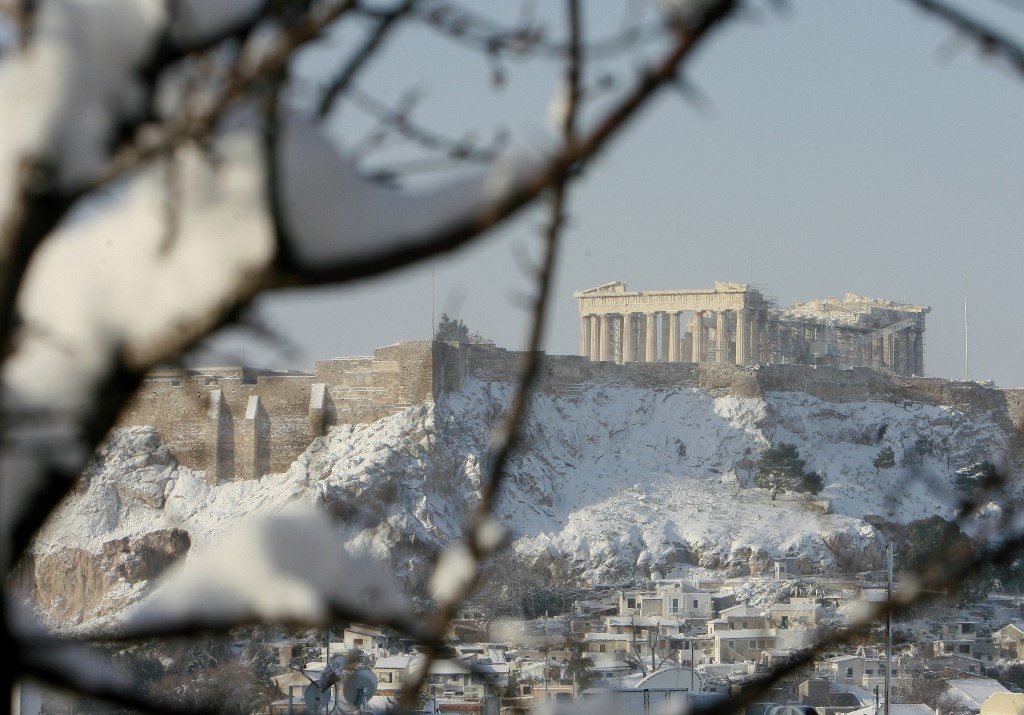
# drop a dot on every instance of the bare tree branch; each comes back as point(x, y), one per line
point(475, 537)
point(386, 22)
point(989, 40)
point(399, 121)
point(408, 249)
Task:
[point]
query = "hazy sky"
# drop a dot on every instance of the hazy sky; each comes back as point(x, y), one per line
point(842, 147)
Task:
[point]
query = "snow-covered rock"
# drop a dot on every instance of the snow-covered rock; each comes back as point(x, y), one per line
point(612, 483)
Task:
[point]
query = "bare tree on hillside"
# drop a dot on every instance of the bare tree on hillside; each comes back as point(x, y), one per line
point(163, 163)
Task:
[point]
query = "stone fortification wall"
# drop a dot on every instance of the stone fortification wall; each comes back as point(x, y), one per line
point(568, 374)
point(239, 423)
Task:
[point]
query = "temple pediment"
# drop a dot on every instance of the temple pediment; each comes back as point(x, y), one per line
point(613, 287)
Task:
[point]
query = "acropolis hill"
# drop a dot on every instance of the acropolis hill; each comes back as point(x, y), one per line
point(240, 423)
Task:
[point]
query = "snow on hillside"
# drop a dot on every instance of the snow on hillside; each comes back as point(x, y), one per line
point(613, 482)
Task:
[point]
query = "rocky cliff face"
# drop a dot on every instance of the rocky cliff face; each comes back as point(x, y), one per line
point(612, 482)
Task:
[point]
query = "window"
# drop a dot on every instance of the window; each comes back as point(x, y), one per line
point(630, 602)
point(601, 648)
point(869, 671)
point(675, 604)
point(695, 603)
point(849, 672)
point(385, 677)
point(965, 648)
point(967, 628)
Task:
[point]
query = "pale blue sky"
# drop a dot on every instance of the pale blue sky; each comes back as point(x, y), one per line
point(851, 146)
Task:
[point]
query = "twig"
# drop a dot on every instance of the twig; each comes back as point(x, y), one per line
point(485, 35)
point(370, 46)
point(989, 40)
point(398, 121)
point(414, 247)
point(483, 513)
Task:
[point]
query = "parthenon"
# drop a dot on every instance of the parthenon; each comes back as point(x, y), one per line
point(736, 323)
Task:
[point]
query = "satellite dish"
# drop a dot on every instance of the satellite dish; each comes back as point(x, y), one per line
point(315, 698)
point(360, 687)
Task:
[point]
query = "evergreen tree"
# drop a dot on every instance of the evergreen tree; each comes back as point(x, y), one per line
point(449, 330)
point(980, 475)
point(782, 469)
point(922, 446)
point(456, 331)
point(886, 459)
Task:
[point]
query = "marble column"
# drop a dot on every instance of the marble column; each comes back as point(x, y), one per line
point(595, 338)
point(697, 333)
point(585, 335)
point(665, 339)
point(673, 336)
point(651, 350)
point(919, 353)
point(605, 340)
point(721, 337)
point(907, 338)
point(762, 338)
point(627, 338)
point(742, 320)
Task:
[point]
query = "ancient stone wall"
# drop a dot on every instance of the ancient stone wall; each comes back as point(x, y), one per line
point(240, 423)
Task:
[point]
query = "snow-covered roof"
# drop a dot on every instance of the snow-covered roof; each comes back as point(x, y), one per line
point(361, 629)
point(607, 636)
point(909, 709)
point(742, 610)
point(394, 662)
point(449, 666)
point(792, 607)
point(746, 633)
point(491, 668)
point(643, 621)
point(972, 692)
point(874, 595)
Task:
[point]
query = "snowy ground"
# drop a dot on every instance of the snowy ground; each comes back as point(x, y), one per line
point(614, 482)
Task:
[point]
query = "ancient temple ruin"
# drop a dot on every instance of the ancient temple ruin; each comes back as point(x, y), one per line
point(736, 323)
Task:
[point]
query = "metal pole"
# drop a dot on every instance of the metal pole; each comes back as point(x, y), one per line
point(692, 666)
point(967, 355)
point(547, 656)
point(888, 629)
